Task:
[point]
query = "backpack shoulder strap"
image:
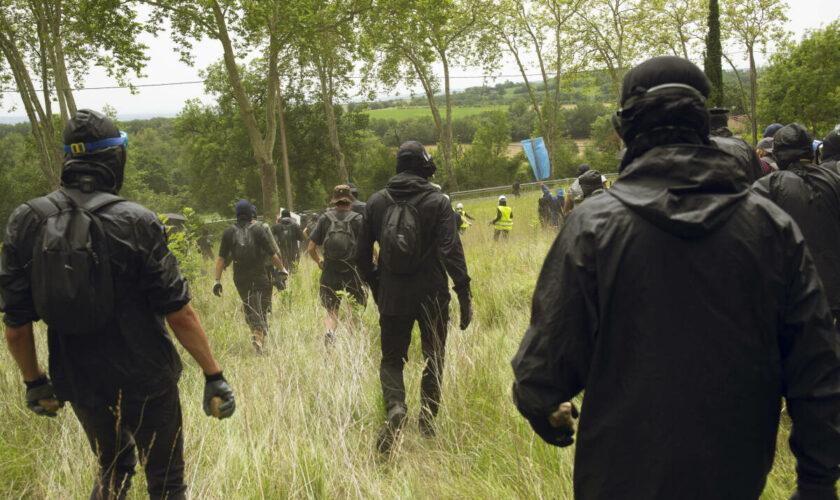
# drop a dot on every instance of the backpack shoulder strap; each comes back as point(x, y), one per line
point(416, 199)
point(331, 216)
point(43, 206)
point(388, 196)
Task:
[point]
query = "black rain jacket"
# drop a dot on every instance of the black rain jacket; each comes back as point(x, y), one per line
point(811, 195)
point(686, 307)
point(748, 160)
point(135, 355)
point(400, 295)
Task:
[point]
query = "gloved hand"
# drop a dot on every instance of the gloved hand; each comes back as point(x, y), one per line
point(215, 386)
point(465, 302)
point(279, 279)
point(815, 492)
point(40, 397)
point(217, 288)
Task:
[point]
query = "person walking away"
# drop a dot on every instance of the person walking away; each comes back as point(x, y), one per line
point(358, 205)
point(110, 355)
point(419, 245)
point(723, 138)
point(516, 187)
point(811, 195)
point(463, 217)
point(544, 209)
point(248, 246)
point(764, 150)
point(591, 184)
point(683, 384)
point(830, 152)
point(503, 222)
point(337, 231)
point(289, 236)
point(575, 194)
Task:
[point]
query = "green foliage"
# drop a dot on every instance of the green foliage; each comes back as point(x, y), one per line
point(486, 163)
point(579, 119)
point(802, 82)
point(606, 144)
point(20, 177)
point(183, 243)
point(712, 63)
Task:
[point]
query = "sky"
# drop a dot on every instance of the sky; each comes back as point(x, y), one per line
point(164, 67)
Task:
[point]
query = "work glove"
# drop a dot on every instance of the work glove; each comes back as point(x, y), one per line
point(465, 302)
point(815, 492)
point(218, 397)
point(279, 279)
point(217, 288)
point(40, 397)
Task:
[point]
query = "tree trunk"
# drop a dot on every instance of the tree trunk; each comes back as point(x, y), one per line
point(287, 176)
point(446, 138)
point(753, 96)
point(332, 124)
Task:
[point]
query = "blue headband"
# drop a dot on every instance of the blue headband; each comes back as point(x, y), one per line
point(87, 147)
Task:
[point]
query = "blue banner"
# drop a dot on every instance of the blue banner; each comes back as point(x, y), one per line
point(539, 164)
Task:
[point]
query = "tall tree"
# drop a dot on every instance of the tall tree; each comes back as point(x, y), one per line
point(679, 25)
point(712, 61)
point(41, 39)
point(542, 30)
point(414, 36)
point(753, 24)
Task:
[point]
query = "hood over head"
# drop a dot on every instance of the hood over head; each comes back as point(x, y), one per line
point(590, 182)
point(244, 210)
point(791, 144)
point(663, 102)
point(413, 157)
point(685, 190)
point(831, 146)
point(106, 165)
point(582, 168)
point(407, 184)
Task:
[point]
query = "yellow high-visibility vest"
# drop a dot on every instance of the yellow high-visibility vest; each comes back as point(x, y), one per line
point(461, 212)
point(506, 222)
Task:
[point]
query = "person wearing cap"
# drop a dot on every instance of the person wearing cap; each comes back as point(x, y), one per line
point(771, 130)
point(686, 307)
point(463, 217)
point(337, 230)
point(748, 161)
point(503, 223)
point(811, 195)
point(249, 246)
point(419, 295)
point(764, 150)
point(830, 151)
point(122, 380)
point(289, 236)
point(575, 194)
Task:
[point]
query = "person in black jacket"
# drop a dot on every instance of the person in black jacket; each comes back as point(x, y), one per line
point(421, 296)
point(686, 307)
point(811, 195)
point(358, 205)
point(249, 246)
point(830, 151)
point(288, 235)
point(723, 138)
point(122, 381)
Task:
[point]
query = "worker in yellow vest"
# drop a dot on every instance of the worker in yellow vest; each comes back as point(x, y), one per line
point(503, 222)
point(463, 218)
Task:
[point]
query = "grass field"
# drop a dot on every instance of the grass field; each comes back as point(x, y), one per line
point(306, 420)
point(414, 112)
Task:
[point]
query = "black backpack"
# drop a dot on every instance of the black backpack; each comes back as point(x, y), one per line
point(400, 240)
point(245, 250)
point(340, 240)
point(72, 280)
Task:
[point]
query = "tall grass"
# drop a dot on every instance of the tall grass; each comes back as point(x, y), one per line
point(307, 419)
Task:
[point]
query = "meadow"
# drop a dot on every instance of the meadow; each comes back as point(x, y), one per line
point(307, 419)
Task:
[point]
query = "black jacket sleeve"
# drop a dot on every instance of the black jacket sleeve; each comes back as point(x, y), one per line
point(15, 284)
point(450, 249)
point(810, 350)
point(553, 359)
point(160, 280)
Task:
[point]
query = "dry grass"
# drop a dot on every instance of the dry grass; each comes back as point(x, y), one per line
point(306, 419)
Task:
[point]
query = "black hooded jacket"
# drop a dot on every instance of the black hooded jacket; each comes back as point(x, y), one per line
point(401, 295)
point(811, 195)
point(748, 161)
point(686, 308)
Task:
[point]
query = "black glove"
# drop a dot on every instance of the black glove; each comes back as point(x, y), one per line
point(465, 301)
point(217, 289)
point(40, 397)
point(216, 386)
point(815, 492)
point(279, 279)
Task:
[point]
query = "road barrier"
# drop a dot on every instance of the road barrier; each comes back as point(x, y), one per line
point(491, 192)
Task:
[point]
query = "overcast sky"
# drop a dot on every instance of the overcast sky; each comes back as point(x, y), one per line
point(164, 67)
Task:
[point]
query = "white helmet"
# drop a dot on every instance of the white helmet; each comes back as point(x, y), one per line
point(459, 206)
point(502, 198)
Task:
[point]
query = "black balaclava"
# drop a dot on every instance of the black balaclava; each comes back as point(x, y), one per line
point(831, 147)
point(106, 166)
point(354, 190)
point(590, 182)
point(413, 158)
point(791, 144)
point(582, 169)
point(663, 102)
point(285, 214)
point(719, 122)
point(244, 211)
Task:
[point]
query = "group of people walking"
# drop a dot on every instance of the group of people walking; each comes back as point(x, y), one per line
point(687, 301)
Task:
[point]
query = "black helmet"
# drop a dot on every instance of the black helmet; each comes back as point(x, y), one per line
point(94, 149)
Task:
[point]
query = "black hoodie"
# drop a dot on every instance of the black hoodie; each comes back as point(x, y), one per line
point(686, 307)
point(400, 295)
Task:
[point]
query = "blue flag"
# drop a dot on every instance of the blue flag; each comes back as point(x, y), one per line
point(540, 164)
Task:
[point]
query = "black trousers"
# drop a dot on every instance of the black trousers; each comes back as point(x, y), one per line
point(118, 433)
point(396, 338)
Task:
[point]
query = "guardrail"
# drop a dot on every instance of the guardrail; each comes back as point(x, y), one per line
point(529, 186)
